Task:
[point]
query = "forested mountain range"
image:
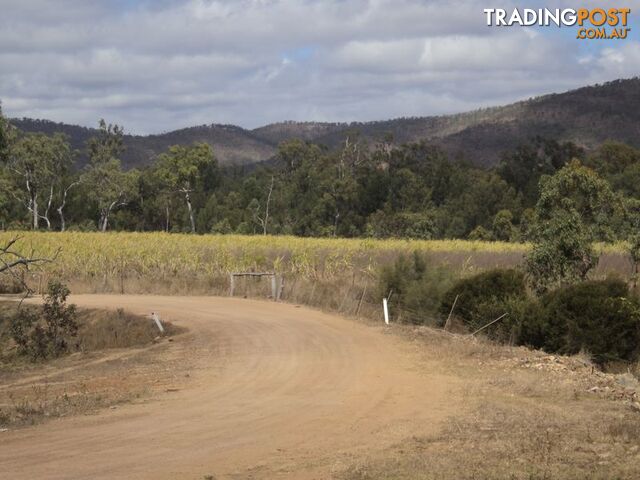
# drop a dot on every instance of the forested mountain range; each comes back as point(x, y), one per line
point(587, 117)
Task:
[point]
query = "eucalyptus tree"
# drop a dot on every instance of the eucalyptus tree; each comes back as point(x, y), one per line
point(108, 186)
point(181, 170)
point(37, 162)
point(576, 208)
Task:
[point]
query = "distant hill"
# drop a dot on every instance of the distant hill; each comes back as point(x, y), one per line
point(278, 132)
point(587, 116)
point(232, 145)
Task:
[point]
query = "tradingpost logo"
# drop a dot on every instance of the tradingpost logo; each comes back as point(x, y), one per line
point(595, 23)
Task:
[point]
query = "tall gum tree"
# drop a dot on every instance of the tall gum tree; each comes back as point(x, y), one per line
point(38, 162)
point(108, 185)
point(181, 170)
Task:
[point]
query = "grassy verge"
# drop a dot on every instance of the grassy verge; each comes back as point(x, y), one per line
point(532, 417)
point(102, 370)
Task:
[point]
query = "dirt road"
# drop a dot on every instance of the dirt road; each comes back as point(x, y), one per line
point(274, 391)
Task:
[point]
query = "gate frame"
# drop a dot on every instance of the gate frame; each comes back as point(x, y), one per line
point(277, 282)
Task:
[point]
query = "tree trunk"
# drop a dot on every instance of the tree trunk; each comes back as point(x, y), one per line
point(166, 227)
point(193, 222)
point(266, 210)
point(32, 205)
point(45, 217)
point(61, 214)
point(104, 220)
point(60, 209)
point(104, 217)
point(34, 209)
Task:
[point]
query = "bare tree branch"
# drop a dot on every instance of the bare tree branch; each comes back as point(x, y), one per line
point(20, 263)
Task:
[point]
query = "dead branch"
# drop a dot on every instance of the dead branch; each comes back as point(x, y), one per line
point(17, 261)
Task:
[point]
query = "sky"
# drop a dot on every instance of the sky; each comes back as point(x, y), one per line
point(155, 66)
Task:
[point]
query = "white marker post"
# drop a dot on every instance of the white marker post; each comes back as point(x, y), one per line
point(386, 311)
point(156, 319)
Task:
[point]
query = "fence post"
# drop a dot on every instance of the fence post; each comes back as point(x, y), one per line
point(232, 284)
point(274, 288)
point(361, 298)
point(386, 311)
point(156, 318)
point(446, 324)
point(281, 288)
point(489, 324)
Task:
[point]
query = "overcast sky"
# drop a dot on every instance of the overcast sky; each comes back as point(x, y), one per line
point(159, 65)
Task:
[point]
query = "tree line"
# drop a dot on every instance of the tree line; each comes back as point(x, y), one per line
point(382, 190)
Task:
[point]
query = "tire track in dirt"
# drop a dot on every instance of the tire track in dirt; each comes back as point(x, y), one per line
point(274, 391)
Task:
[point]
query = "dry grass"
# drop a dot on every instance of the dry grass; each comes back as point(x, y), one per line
point(104, 329)
point(30, 405)
point(111, 364)
point(98, 330)
point(333, 274)
point(532, 417)
point(512, 442)
point(525, 423)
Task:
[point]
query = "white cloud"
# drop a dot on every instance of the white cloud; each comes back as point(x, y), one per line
point(159, 65)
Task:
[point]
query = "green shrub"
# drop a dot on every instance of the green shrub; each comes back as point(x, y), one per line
point(223, 227)
point(480, 233)
point(508, 328)
point(484, 297)
point(417, 288)
point(45, 333)
point(402, 224)
point(597, 316)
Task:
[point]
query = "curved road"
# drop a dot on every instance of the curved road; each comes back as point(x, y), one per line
point(276, 391)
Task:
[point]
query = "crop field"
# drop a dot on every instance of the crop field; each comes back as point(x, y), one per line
point(336, 273)
point(95, 254)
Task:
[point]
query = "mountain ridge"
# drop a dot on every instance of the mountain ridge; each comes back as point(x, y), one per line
point(587, 116)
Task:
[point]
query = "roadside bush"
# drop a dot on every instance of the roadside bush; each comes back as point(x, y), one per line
point(417, 288)
point(45, 333)
point(597, 316)
point(484, 297)
point(508, 329)
point(23, 333)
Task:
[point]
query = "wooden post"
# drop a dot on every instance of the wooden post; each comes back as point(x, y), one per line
point(232, 284)
point(274, 288)
point(490, 323)
point(281, 288)
point(361, 299)
point(446, 324)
